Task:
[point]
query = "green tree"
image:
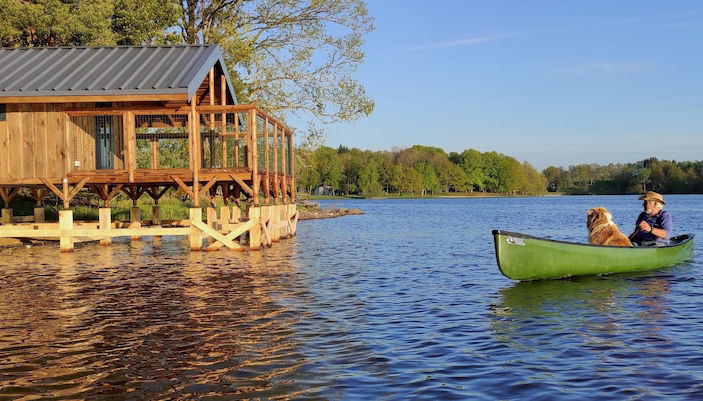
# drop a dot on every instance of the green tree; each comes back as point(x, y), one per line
point(471, 161)
point(412, 181)
point(329, 167)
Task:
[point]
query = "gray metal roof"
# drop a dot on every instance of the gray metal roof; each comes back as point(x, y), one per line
point(120, 70)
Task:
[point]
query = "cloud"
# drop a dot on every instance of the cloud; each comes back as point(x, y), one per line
point(605, 67)
point(474, 40)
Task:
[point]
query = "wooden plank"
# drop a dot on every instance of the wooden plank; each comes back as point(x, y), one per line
point(241, 229)
point(53, 139)
point(14, 120)
point(41, 157)
point(4, 148)
point(254, 153)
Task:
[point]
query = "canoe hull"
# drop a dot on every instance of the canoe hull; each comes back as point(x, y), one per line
point(523, 257)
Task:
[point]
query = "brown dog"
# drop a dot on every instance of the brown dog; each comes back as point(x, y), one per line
point(602, 230)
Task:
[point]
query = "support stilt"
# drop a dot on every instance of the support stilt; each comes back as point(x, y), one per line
point(66, 226)
point(135, 220)
point(38, 214)
point(255, 232)
point(105, 224)
point(6, 216)
point(195, 238)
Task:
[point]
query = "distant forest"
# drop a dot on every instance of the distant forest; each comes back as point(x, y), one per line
point(426, 170)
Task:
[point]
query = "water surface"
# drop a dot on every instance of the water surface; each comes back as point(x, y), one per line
point(404, 302)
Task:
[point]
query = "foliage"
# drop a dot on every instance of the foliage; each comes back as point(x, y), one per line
point(649, 174)
point(418, 170)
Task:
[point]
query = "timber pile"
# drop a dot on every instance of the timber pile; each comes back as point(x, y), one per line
point(311, 211)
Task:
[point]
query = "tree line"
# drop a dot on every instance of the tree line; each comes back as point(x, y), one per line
point(626, 178)
point(418, 170)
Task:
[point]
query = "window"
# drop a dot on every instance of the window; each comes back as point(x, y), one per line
point(3, 114)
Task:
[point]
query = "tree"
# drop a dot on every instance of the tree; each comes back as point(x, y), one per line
point(288, 56)
point(471, 162)
point(329, 167)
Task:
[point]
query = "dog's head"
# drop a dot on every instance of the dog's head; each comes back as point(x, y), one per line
point(597, 216)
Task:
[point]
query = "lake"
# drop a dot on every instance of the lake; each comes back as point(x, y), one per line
point(404, 302)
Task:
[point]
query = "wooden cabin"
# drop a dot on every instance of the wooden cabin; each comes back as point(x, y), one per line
point(137, 120)
point(140, 120)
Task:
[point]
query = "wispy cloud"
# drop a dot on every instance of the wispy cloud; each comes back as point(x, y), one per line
point(605, 67)
point(682, 19)
point(473, 40)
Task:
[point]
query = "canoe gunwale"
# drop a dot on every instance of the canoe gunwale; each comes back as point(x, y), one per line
point(682, 239)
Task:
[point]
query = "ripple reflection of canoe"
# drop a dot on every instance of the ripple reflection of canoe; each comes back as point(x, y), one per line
point(523, 257)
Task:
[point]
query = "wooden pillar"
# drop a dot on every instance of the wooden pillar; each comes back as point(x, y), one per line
point(154, 153)
point(291, 143)
point(39, 215)
point(135, 220)
point(236, 215)
point(254, 213)
point(156, 215)
point(194, 142)
point(254, 156)
point(66, 228)
point(275, 218)
point(6, 216)
point(267, 162)
point(223, 101)
point(225, 214)
point(284, 221)
point(105, 220)
point(66, 201)
point(284, 168)
point(195, 238)
point(275, 166)
point(130, 142)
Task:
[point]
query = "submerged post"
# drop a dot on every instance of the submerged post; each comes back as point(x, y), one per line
point(105, 224)
point(66, 228)
point(255, 232)
point(195, 238)
point(135, 220)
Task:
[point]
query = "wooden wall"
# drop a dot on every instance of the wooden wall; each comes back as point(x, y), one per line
point(34, 142)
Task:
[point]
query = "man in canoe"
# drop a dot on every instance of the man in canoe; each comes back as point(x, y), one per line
point(654, 224)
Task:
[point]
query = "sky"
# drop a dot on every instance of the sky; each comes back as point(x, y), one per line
point(549, 82)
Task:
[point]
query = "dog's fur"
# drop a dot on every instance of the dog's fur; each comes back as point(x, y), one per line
point(602, 230)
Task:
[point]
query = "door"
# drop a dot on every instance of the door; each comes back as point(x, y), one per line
point(104, 143)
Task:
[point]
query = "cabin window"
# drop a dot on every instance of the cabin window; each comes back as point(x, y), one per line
point(3, 113)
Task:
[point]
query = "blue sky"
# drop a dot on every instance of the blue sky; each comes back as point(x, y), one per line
point(549, 82)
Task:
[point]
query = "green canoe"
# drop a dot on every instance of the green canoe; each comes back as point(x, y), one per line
point(523, 257)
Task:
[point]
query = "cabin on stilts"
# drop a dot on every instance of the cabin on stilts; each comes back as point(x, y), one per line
point(141, 121)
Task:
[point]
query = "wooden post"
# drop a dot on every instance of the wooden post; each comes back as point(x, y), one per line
point(39, 215)
point(275, 166)
point(267, 162)
point(254, 156)
point(105, 224)
point(225, 214)
point(65, 193)
point(130, 141)
point(284, 221)
point(284, 169)
point(66, 228)
point(195, 159)
point(6, 217)
point(275, 219)
point(195, 238)
point(156, 215)
point(135, 220)
point(223, 101)
point(236, 216)
point(254, 213)
point(291, 144)
point(154, 153)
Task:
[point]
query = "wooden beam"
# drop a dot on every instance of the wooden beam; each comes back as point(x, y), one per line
point(239, 230)
point(76, 189)
point(183, 187)
point(243, 185)
point(206, 187)
point(130, 142)
point(53, 188)
point(223, 101)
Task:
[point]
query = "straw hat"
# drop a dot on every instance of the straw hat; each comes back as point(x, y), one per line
point(653, 196)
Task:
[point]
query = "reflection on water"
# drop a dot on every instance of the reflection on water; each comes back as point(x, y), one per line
point(404, 302)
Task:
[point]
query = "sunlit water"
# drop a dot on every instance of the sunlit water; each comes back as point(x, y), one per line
point(404, 302)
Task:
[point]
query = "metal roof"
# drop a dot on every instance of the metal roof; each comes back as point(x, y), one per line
point(119, 70)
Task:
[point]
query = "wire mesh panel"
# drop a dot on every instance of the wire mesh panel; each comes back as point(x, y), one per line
point(97, 142)
point(236, 139)
point(162, 141)
point(289, 155)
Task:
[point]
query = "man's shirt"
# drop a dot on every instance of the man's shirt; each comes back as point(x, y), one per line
point(661, 220)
